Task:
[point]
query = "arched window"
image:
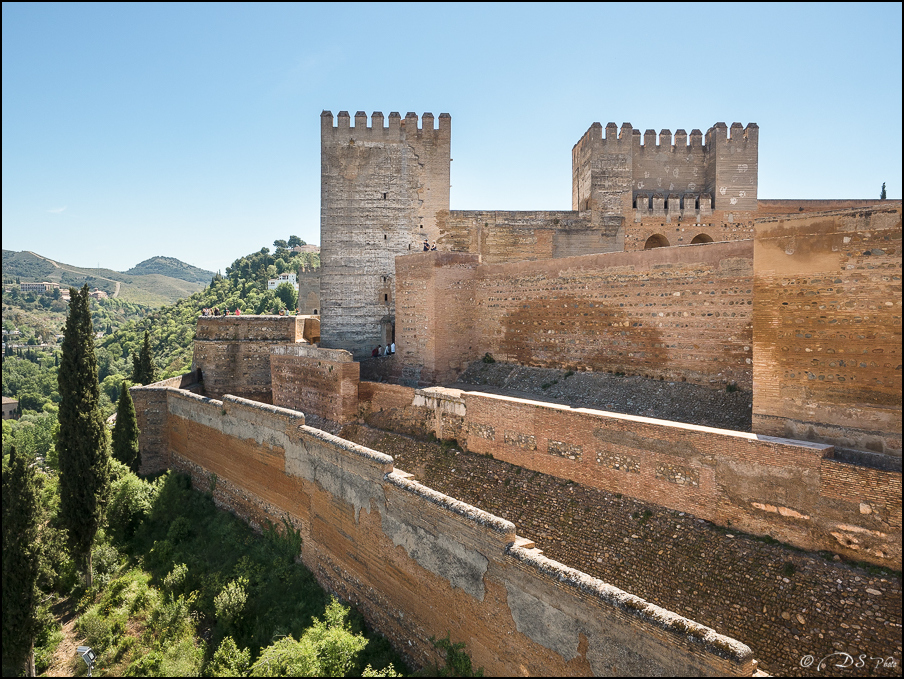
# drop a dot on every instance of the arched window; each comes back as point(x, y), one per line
point(657, 240)
point(702, 238)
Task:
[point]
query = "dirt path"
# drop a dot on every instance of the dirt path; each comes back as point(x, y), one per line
point(65, 659)
point(44, 258)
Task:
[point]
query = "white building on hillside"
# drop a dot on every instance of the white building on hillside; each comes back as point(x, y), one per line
point(292, 278)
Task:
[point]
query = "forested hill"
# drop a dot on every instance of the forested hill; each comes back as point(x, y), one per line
point(150, 288)
point(38, 318)
point(172, 267)
point(172, 327)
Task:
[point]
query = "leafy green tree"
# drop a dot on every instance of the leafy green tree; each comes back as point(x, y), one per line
point(286, 292)
point(229, 661)
point(280, 245)
point(21, 561)
point(326, 649)
point(882, 195)
point(125, 432)
point(82, 446)
point(295, 240)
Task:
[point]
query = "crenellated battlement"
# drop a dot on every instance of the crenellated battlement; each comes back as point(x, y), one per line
point(738, 133)
point(395, 129)
point(613, 169)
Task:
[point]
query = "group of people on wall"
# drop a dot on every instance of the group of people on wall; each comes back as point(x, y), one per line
point(206, 311)
point(380, 351)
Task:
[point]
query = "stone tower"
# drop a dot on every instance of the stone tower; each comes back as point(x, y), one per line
point(618, 171)
point(380, 190)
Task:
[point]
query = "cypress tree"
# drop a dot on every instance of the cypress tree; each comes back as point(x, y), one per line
point(125, 432)
point(146, 373)
point(82, 445)
point(21, 562)
point(136, 369)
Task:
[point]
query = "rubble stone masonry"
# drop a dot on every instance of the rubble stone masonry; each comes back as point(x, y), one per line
point(785, 603)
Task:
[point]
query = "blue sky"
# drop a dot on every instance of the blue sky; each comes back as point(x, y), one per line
point(193, 131)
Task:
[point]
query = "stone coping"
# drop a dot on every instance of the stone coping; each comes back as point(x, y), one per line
point(404, 481)
point(672, 623)
point(825, 449)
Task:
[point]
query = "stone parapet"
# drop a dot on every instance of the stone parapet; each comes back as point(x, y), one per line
point(417, 563)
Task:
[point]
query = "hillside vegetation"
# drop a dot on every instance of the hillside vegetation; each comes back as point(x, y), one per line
point(180, 587)
point(31, 376)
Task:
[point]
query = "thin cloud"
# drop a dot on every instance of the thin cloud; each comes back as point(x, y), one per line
point(58, 210)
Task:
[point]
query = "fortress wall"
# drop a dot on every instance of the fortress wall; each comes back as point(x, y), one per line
point(150, 410)
point(673, 313)
point(827, 328)
point(389, 407)
point(322, 382)
point(309, 291)
point(508, 236)
point(787, 206)
point(731, 179)
point(435, 316)
point(681, 227)
point(790, 490)
point(233, 352)
point(417, 563)
point(661, 167)
point(379, 396)
point(311, 333)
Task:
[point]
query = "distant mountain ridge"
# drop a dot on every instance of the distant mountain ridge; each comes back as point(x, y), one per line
point(154, 282)
point(172, 267)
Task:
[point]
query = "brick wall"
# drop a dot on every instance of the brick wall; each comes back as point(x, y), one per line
point(233, 352)
point(763, 485)
point(418, 564)
point(681, 228)
point(322, 382)
point(827, 328)
point(673, 313)
point(508, 236)
point(435, 316)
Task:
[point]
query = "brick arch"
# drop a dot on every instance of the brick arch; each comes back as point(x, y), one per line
point(702, 238)
point(657, 240)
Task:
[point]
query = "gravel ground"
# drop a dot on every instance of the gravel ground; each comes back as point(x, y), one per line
point(788, 605)
point(678, 401)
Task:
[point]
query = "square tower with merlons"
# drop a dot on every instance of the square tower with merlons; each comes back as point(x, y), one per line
point(381, 187)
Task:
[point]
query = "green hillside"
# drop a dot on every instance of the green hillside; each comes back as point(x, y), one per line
point(148, 287)
point(172, 268)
